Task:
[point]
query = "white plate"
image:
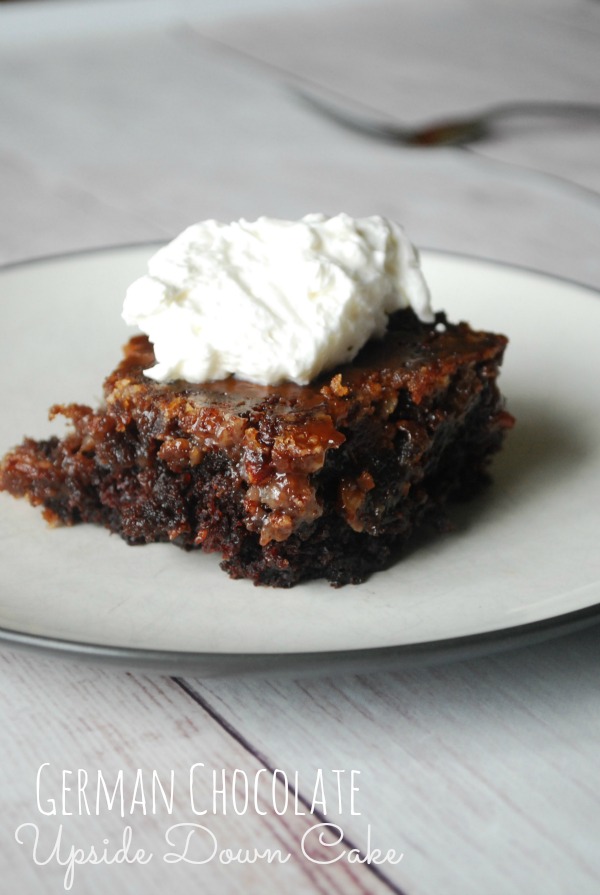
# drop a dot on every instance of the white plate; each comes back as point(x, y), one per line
point(523, 557)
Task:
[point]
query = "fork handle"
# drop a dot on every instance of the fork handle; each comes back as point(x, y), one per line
point(542, 107)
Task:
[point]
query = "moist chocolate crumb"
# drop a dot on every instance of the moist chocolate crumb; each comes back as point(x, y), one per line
point(289, 482)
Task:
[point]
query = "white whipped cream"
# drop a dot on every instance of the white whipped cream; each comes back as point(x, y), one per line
point(273, 300)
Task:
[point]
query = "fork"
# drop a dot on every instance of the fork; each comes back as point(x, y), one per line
point(453, 131)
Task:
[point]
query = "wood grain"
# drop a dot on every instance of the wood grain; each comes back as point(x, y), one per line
point(92, 160)
point(413, 63)
point(484, 773)
point(77, 717)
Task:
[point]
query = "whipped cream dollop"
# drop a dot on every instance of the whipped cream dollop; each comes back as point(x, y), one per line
point(273, 300)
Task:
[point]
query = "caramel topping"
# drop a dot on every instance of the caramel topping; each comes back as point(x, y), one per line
point(279, 437)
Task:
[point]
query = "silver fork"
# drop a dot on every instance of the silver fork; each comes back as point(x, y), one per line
point(453, 131)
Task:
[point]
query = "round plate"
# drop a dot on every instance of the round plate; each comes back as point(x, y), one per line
point(522, 561)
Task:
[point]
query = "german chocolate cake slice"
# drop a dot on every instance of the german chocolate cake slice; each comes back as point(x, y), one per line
point(287, 480)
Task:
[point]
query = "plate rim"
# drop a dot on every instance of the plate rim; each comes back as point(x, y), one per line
point(93, 251)
point(216, 664)
point(220, 663)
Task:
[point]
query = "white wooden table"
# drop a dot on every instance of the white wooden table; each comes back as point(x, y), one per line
point(122, 122)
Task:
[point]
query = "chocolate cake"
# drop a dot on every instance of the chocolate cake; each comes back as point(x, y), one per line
point(287, 482)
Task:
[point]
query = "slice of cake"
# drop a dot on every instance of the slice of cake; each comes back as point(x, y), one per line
point(291, 480)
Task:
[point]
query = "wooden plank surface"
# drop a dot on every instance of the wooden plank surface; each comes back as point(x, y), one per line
point(483, 774)
point(412, 63)
point(63, 717)
point(88, 161)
